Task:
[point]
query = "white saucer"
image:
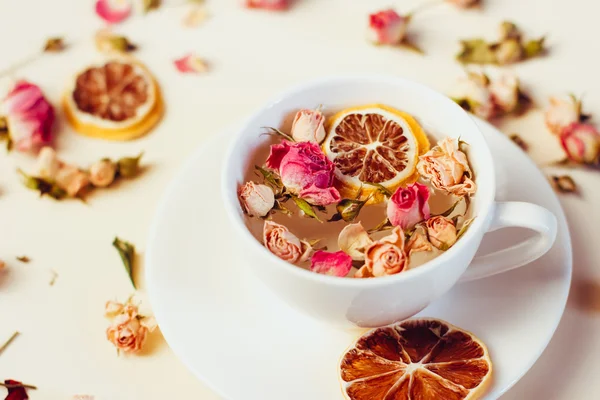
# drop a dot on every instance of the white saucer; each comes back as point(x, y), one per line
point(244, 343)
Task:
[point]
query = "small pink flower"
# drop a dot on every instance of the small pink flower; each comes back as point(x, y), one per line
point(447, 168)
point(387, 27)
point(408, 206)
point(305, 171)
point(562, 113)
point(29, 116)
point(334, 264)
point(113, 11)
point(257, 200)
point(581, 142)
point(284, 244)
point(386, 256)
point(308, 126)
point(441, 231)
point(276, 5)
point(191, 64)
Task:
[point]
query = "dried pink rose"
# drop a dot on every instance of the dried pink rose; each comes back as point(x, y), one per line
point(71, 179)
point(581, 142)
point(561, 113)
point(353, 240)
point(28, 116)
point(447, 168)
point(276, 5)
point(441, 231)
point(191, 64)
point(102, 173)
point(387, 27)
point(284, 244)
point(113, 11)
point(417, 243)
point(464, 3)
point(308, 126)
point(387, 256)
point(128, 329)
point(408, 206)
point(333, 264)
point(505, 92)
point(257, 200)
point(305, 171)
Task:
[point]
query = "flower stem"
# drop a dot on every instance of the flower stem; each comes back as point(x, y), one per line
point(16, 386)
point(9, 341)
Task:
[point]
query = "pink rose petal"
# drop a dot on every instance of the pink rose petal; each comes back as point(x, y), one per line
point(190, 64)
point(334, 264)
point(113, 11)
point(274, 5)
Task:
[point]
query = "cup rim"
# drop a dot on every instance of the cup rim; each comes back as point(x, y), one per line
point(481, 221)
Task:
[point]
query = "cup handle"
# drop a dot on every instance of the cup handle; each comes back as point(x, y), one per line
point(517, 214)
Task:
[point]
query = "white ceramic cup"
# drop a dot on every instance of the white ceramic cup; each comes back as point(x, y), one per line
point(380, 301)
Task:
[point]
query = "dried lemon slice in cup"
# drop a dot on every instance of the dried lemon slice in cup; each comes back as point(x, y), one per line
point(115, 100)
point(374, 144)
point(424, 359)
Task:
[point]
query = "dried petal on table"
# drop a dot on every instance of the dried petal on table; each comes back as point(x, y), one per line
point(23, 259)
point(465, 3)
point(564, 183)
point(519, 141)
point(274, 5)
point(28, 117)
point(16, 389)
point(107, 42)
point(149, 5)
point(113, 11)
point(194, 17)
point(127, 252)
point(55, 45)
point(191, 64)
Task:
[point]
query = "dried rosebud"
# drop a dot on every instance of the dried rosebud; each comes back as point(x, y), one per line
point(508, 51)
point(441, 231)
point(308, 126)
point(408, 206)
point(581, 142)
point(417, 243)
point(28, 116)
point(387, 27)
point(113, 11)
point(149, 5)
point(473, 94)
point(275, 5)
point(54, 45)
point(106, 42)
point(128, 329)
point(464, 3)
point(386, 256)
point(505, 93)
point(47, 163)
point(256, 200)
point(102, 173)
point(561, 113)
point(564, 184)
point(191, 64)
point(72, 180)
point(284, 244)
point(353, 240)
point(333, 264)
point(129, 167)
point(509, 30)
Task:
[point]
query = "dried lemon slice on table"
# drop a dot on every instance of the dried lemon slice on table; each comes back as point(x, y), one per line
point(417, 359)
point(115, 100)
point(374, 144)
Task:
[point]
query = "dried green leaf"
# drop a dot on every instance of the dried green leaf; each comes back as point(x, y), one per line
point(43, 186)
point(305, 207)
point(564, 184)
point(464, 228)
point(348, 210)
point(129, 167)
point(385, 191)
point(519, 141)
point(476, 51)
point(534, 48)
point(121, 44)
point(383, 225)
point(272, 178)
point(127, 252)
point(277, 132)
point(148, 5)
point(453, 207)
point(23, 259)
point(508, 51)
point(54, 45)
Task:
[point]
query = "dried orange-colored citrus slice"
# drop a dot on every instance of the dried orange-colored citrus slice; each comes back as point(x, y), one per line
point(116, 100)
point(374, 144)
point(418, 359)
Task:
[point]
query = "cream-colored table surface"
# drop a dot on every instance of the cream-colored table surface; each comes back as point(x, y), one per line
point(253, 55)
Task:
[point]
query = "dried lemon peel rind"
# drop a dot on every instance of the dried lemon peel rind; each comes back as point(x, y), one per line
point(417, 356)
point(358, 143)
point(147, 114)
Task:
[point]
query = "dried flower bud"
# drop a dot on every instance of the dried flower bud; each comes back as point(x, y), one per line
point(505, 92)
point(581, 142)
point(106, 42)
point(562, 112)
point(54, 45)
point(113, 11)
point(102, 173)
point(509, 30)
point(387, 27)
point(257, 200)
point(72, 180)
point(128, 167)
point(47, 163)
point(508, 51)
point(191, 63)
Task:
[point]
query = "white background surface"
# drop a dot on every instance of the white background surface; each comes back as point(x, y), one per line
point(253, 55)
